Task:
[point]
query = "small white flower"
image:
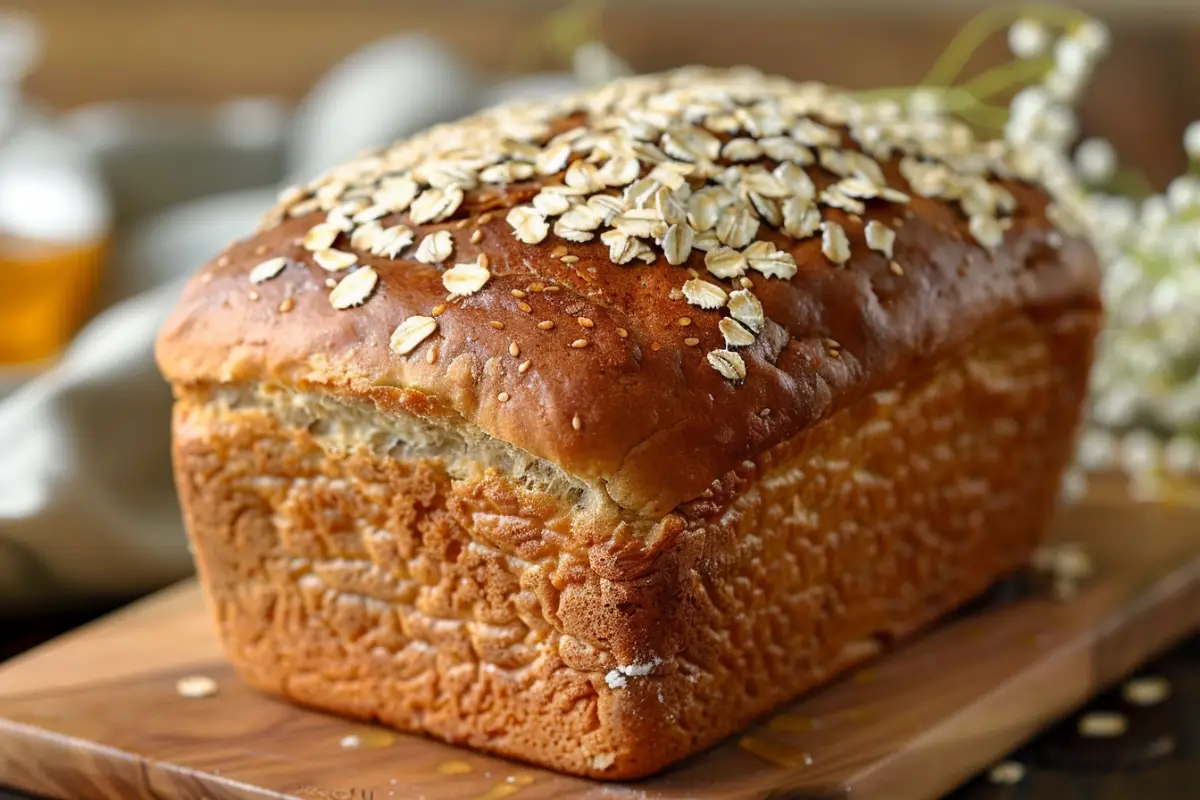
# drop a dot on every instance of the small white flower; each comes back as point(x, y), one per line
point(1071, 58)
point(1183, 193)
point(1029, 103)
point(1191, 141)
point(1096, 161)
point(1093, 37)
point(1028, 38)
point(1064, 87)
point(925, 104)
point(1058, 126)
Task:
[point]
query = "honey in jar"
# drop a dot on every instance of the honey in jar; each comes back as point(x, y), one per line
point(54, 216)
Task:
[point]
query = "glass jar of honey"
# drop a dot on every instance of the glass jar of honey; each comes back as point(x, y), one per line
point(54, 217)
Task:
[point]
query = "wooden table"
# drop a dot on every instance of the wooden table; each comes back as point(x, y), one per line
point(96, 713)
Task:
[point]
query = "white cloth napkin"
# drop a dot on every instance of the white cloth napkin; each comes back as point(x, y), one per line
point(87, 502)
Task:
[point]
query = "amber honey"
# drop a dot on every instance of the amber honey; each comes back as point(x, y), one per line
point(45, 294)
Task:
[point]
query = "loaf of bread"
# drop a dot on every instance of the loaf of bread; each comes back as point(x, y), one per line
point(585, 431)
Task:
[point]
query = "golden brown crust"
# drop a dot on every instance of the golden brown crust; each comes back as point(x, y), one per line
point(495, 616)
point(623, 389)
point(655, 425)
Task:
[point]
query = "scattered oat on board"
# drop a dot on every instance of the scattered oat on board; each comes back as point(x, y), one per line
point(1007, 773)
point(195, 687)
point(1102, 724)
point(1148, 690)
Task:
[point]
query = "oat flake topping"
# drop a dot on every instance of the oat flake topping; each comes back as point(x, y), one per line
point(711, 170)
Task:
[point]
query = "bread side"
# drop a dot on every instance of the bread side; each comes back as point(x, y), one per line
point(378, 569)
point(575, 349)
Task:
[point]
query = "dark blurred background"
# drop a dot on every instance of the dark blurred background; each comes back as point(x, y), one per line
point(1145, 92)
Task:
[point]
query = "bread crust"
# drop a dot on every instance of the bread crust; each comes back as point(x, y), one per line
point(645, 416)
point(551, 497)
point(495, 616)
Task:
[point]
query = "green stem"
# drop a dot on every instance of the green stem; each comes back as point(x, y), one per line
point(1132, 183)
point(979, 29)
point(1008, 76)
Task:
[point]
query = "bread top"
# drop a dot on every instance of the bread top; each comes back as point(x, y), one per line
point(644, 285)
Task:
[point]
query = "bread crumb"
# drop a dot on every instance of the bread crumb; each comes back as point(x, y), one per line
point(603, 761)
point(617, 678)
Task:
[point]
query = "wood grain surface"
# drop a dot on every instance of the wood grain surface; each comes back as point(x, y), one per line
point(95, 714)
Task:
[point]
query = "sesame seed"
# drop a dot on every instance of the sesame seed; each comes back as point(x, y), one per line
point(476, 235)
point(438, 310)
point(576, 422)
point(525, 307)
point(745, 283)
point(517, 293)
point(503, 397)
point(585, 322)
point(287, 305)
point(579, 344)
point(462, 223)
point(559, 251)
point(260, 250)
point(514, 349)
point(432, 356)
point(485, 218)
point(330, 283)
point(546, 324)
point(552, 289)
point(537, 287)
point(691, 341)
point(896, 268)
point(525, 365)
point(253, 295)
point(497, 324)
point(483, 260)
point(624, 334)
point(570, 259)
point(683, 322)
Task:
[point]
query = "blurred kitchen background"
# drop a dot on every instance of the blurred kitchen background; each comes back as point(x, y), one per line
point(137, 137)
point(172, 101)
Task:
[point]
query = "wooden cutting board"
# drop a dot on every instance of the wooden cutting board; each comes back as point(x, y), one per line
point(96, 714)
